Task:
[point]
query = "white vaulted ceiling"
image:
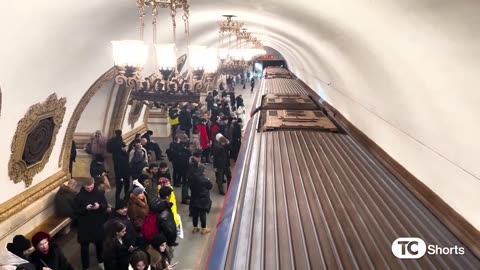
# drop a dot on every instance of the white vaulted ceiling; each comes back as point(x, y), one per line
point(406, 72)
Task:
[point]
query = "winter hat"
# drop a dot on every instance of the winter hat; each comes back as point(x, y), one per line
point(163, 181)
point(18, 245)
point(158, 240)
point(218, 136)
point(137, 191)
point(38, 237)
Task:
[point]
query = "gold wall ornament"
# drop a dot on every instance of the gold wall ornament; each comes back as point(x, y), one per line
point(34, 139)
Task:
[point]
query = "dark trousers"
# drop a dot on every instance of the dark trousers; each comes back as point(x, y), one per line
point(125, 184)
point(221, 174)
point(174, 131)
point(206, 154)
point(182, 177)
point(196, 213)
point(86, 255)
point(177, 182)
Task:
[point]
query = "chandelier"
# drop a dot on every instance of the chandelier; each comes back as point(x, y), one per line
point(164, 84)
point(234, 59)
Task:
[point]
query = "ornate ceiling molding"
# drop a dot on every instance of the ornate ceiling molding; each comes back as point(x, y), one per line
point(34, 139)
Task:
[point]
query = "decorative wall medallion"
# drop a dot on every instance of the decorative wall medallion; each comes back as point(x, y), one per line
point(135, 111)
point(34, 139)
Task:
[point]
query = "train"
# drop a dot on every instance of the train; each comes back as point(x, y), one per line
point(305, 194)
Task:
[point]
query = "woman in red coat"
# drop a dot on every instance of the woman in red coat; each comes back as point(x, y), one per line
point(204, 140)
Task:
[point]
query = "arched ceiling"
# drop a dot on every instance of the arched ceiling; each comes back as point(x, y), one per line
point(405, 72)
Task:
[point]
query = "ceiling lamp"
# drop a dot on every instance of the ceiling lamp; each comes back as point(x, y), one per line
point(164, 84)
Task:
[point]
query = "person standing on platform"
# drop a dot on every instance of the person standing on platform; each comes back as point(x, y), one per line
point(173, 119)
point(236, 138)
point(239, 100)
point(73, 157)
point(252, 84)
point(116, 252)
point(185, 119)
point(221, 163)
point(200, 202)
point(90, 206)
point(122, 173)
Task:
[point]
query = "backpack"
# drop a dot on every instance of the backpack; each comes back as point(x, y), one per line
point(149, 227)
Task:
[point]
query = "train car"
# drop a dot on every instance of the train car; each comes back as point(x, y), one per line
point(306, 195)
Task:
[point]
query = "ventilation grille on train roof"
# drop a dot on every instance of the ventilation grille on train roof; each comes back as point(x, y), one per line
point(288, 102)
point(296, 119)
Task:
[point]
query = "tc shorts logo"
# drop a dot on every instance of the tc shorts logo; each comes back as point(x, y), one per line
point(409, 248)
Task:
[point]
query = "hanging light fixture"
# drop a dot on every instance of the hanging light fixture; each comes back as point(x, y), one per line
point(164, 84)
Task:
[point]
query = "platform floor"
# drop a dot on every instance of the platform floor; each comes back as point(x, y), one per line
point(192, 251)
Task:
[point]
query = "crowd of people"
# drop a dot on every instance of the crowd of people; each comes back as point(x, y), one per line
point(139, 231)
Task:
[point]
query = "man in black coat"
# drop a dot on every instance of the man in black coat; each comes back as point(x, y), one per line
point(200, 202)
point(114, 144)
point(183, 157)
point(90, 206)
point(236, 138)
point(221, 163)
point(165, 220)
point(185, 119)
point(239, 100)
point(122, 173)
point(209, 100)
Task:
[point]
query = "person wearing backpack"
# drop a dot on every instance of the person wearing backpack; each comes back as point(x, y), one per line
point(138, 159)
point(165, 220)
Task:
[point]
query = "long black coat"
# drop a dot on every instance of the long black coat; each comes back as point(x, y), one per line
point(121, 166)
point(221, 158)
point(116, 257)
point(200, 187)
point(90, 222)
point(185, 120)
point(54, 259)
point(166, 222)
point(130, 237)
